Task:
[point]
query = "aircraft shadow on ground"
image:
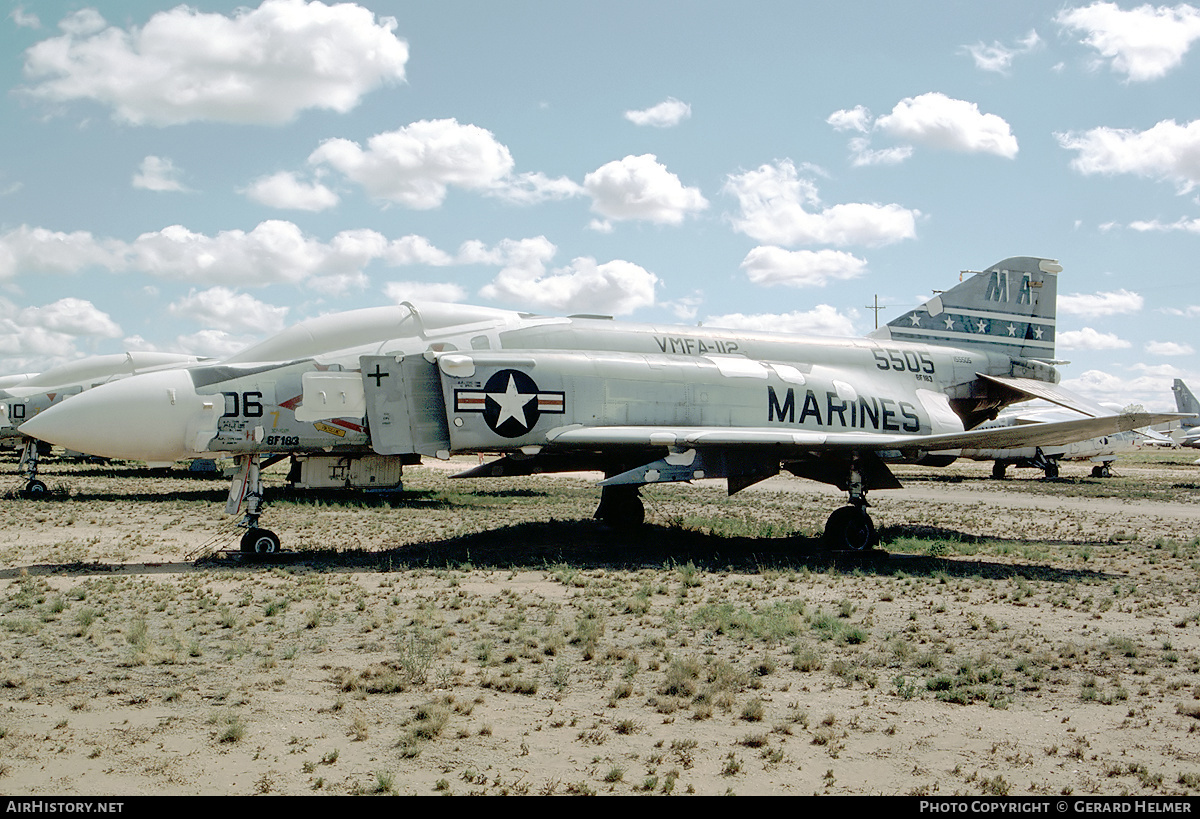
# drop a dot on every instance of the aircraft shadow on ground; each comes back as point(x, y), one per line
point(587, 544)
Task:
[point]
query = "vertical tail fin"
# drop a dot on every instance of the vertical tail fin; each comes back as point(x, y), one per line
point(1185, 401)
point(1008, 308)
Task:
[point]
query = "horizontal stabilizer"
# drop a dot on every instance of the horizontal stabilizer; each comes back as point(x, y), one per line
point(1049, 392)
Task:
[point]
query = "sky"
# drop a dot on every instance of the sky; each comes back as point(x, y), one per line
point(195, 178)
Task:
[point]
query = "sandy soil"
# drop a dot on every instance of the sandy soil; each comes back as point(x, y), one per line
point(1015, 637)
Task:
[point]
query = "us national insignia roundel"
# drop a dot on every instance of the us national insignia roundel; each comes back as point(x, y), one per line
point(511, 403)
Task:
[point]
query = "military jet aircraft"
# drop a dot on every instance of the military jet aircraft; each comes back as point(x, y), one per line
point(1101, 450)
point(24, 396)
point(642, 403)
point(1187, 403)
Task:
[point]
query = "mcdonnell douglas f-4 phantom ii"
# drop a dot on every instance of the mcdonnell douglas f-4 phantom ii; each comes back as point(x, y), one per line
point(641, 403)
point(23, 397)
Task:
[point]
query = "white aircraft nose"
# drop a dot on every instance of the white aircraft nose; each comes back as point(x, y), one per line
point(145, 417)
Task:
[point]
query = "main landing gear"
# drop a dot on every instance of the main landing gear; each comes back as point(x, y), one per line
point(1103, 470)
point(850, 528)
point(621, 505)
point(247, 489)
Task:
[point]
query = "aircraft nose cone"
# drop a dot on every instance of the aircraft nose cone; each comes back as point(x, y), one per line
point(144, 417)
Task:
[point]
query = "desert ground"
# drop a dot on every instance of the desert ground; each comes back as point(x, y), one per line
point(1016, 637)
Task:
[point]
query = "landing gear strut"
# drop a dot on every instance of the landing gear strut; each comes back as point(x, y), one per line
point(28, 468)
point(247, 488)
point(621, 505)
point(851, 528)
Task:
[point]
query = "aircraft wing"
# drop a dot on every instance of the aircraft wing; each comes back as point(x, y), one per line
point(1004, 437)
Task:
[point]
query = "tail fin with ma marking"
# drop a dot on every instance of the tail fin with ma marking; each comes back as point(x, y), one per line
point(1008, 308)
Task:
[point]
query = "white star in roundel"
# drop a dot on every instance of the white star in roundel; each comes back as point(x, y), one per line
point(949, 323)
point(512, 403)
point(1012, 329)
point(982, 326)
point(1037, 332)
point(916, 320)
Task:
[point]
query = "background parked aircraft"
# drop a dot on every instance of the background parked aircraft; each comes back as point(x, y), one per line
point(23, 397)
point(1101, 450)
point(1185, 401)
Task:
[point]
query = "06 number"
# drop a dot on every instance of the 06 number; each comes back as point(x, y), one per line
point(248, 405)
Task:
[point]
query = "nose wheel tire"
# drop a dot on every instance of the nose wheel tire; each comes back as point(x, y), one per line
point(851, 529)
point(35, 490)
point(260, 541)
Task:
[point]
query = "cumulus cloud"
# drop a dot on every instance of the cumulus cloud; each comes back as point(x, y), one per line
point(640, 187)
point(1101, 386)
point(857, 118)
point(1169, 348)
point(413, 249)
point(1095, 305)
point(1168, 151)
point(822, 320)
point(261, 66)
point(863, 155)
point(70, 316)
point(278, 252)
point(1143, 43)
point(767, 265)
point(1192, 311)
point(424, 291)
point(274, 251)
point(416, 165)
point(1089, 339)
point(215, 343)
point(997, 57)
point(777, 207)
point(25, 19)
point(1155, 226)
point(36, 338)
point(285, 190)
point(668, 113)
point(30, 250)
point(943, 122)
point(225, 309)
point(933, 120)
point(613, 288)
point(157, 174)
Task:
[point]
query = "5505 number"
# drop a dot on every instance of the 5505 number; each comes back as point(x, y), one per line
point(904, 360)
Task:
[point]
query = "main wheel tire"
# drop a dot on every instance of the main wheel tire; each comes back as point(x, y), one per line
point(1052, 469)
point(260, 541)
point(998, 469)
point(850, 528)
point(35, 490)
point(621, 506)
